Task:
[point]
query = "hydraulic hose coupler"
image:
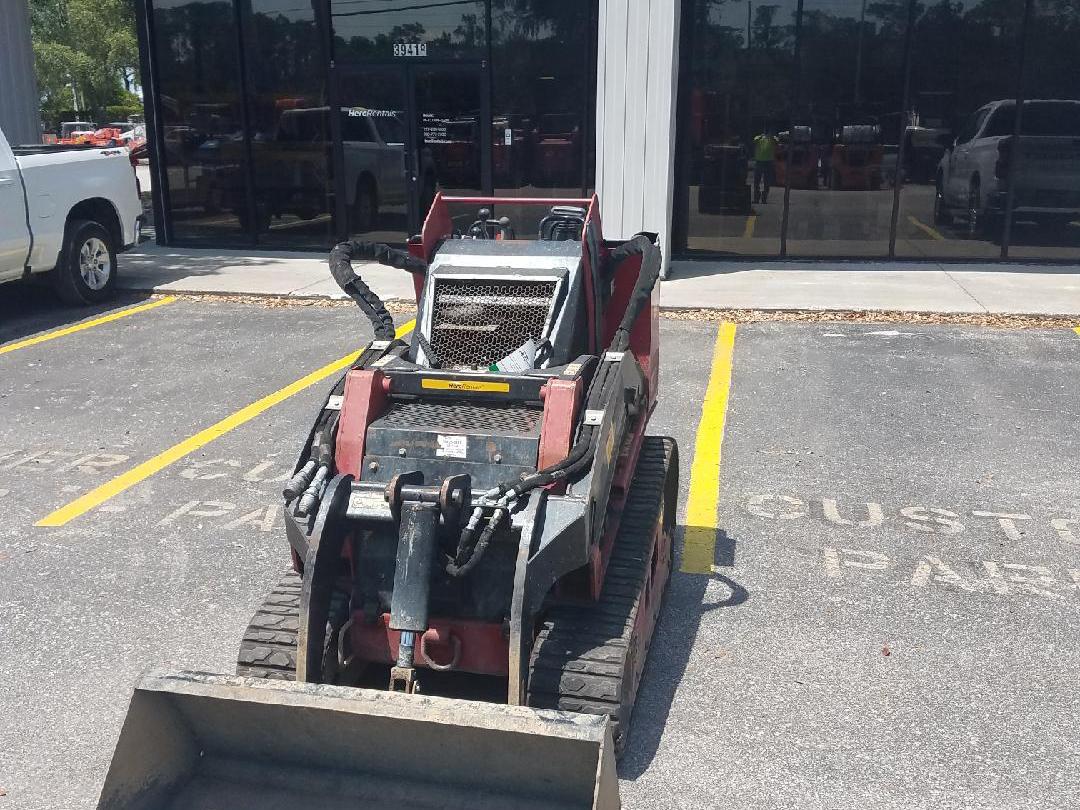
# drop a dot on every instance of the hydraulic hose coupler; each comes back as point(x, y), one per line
point(299, 482)
point(309, 501)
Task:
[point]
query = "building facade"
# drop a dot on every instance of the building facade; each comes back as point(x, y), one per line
point(801, 128)
point(20, 113)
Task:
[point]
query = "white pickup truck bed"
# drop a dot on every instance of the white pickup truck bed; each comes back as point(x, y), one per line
point(68, 210)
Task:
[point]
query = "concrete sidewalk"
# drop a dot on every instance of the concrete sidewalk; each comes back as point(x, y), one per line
point(238, 272)
point(1023, 289)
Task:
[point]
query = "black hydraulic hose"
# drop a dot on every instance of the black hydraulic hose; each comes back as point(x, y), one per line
point(370, 304)
point(456, 569)
point(304, 472)
point(651, 261)
point(643, 245)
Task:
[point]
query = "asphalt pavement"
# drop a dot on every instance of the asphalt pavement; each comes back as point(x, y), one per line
point(889, 619)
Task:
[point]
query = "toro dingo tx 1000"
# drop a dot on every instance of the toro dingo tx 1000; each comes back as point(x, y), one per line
point(478, 499)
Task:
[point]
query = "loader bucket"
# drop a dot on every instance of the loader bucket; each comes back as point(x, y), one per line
point(193, 741)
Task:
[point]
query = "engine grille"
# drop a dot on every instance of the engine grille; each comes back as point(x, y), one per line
point(453, 416)
point(475, 322)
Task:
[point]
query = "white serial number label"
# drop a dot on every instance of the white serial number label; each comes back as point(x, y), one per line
point(452, 446)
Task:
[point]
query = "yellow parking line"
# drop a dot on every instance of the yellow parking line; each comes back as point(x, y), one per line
point(922, 226)
point(70, 330)
point(141, 472)
point(699, 539)
point(748, 229)
point(1076, 329)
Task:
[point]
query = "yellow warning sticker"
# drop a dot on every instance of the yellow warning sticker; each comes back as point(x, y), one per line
point(466, 385)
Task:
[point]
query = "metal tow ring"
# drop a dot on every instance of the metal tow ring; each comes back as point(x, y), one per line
point(455, 643)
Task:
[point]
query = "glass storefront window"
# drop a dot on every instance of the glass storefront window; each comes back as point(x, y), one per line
point(202, 133)
point(369, 30)
point(345, 117)
point(1046, 177)
point(737, 66)
point(543, 108)
point(902, 142)
point(289, 119)
point(960, 102)
point(374, 153)
point(846, 124)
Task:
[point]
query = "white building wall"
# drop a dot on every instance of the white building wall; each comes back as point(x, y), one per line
point(636, 88)
point(20, 113)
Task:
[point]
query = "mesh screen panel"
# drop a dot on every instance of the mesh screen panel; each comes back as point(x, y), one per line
point(463, 416)
point(475, 322)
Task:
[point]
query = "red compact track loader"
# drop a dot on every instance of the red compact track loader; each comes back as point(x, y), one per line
point(478, 512)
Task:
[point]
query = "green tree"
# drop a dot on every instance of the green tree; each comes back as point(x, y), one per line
point(86, 56)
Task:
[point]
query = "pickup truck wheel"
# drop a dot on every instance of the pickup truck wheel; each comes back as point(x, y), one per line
point(365, 209)
point(982, 224)
point(941, 212)
point(86, 272)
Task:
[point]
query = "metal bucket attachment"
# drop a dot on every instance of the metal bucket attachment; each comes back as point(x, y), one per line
point(193, 741)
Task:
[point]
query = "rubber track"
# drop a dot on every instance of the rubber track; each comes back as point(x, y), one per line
point(582, 654)
point(268, 649)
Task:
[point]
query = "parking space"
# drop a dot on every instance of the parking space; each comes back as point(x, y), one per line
point(891, 616)
point(884, 615)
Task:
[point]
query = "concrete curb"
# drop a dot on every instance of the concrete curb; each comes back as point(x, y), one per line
point(739, 314)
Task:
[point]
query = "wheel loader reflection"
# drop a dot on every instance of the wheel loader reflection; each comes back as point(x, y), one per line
point(803, 159)
point(856, 158)
point(724, 183)
point(478, 504)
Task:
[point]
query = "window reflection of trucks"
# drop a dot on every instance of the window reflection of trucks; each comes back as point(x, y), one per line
point(856, 158)
point(557, 151)
point(456, 152)
point(296, 159)
point(724, 185)
point(923, 149)
point(804, 158)
point(197, 168)
point(972, 176)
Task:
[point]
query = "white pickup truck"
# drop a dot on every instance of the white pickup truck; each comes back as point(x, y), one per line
point(67, 211)
point(972, 176)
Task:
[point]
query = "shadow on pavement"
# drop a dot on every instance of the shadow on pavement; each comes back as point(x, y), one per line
point(30, 307)
point(684, 607)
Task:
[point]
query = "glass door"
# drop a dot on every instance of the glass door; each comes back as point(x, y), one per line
point(403, 132)
point(371, 136)
point(452, 123)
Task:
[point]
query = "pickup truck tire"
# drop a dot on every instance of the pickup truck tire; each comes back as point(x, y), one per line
point(941, 211)
point(982, 224)
point(365, 207)
point(86, 272)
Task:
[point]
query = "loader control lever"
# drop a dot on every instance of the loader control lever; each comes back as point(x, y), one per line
point(418, 510)
point(487, 228)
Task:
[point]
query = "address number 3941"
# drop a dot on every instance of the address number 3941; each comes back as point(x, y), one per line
point(410, 49)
